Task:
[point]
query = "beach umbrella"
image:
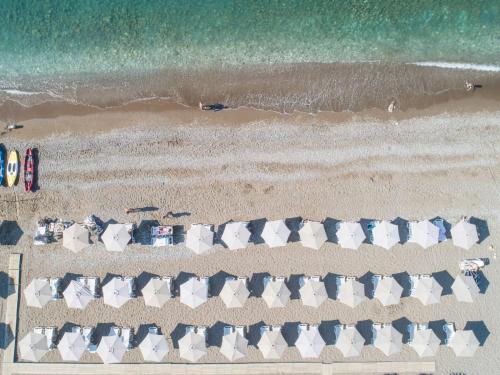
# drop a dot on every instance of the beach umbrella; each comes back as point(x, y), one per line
point(425, 342)
point(385, 234)
point(194, 292)
point(276, 293)
point(272, 345)
point(33, 347)
point(236, 235)
point(200, 238)
point(116, 292)
point(116, 237)
point(38, 293)
point(234, 293)
point(313, 293)
point(192, 346)
point(77, 296)
point(154, 347)
point(350, 235)
point(388, 340)
point(111, 349)
point(312, 234)
point(275, 233)
point(427, 290)
point(464, 234)
point(350, 342)
point(310, 343)
point(76, 238)
point(351, 293)
point(388, 291)
point(72, 346)
point(465, 288)
point(234, 346)
point(463, 343)
point(156, 292)
point(425, 233)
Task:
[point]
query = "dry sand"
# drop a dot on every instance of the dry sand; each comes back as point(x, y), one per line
point(218, 167)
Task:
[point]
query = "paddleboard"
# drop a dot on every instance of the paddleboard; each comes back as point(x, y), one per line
point(12, 168)
point(2, 164)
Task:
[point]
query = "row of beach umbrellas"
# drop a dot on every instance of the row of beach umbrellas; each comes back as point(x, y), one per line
point(236, 235)
point(235, 292)
point(272, 344)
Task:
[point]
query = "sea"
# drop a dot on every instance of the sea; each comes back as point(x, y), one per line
point(188, 49)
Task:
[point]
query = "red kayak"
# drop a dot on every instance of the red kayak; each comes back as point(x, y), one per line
point(29, 170)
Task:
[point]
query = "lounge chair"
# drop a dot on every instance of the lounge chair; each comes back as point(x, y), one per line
point(303, 280)
point(229, 278)
point(93, 285)
point(449, 330)
point(276, 328)
point(153, 330)
point(130, 280)
point(114, 331)
point(412, 327)
point(422, 326)
point(169, 280)
point(76, 329)
point(302, 327)
point(202, 330)
point(228, 330)
point(316, 278)
point(241, 330)
point(375, 280)
point(338, 225)
point(127, 335)
point(244, 279)
point(337, 329)
point(266, 280)
point(51, 334)
point(442, 230)
point(280, 278)
point(206, 281)
point(264, 329)
point(409, 228)
point(55, 286)
point(339, 281)
point(413, 283)
point(88, 338)
point(375, 328)
point(370, 227)
point(190, 329)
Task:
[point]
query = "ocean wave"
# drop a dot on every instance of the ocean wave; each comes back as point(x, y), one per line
point(460, 66)
point(16, 92)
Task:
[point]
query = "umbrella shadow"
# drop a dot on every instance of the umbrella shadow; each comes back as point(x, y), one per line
point(215, 333)
point(483, 231)
point(181, 278)
point(256, 228)
point(142, 332)
point(178, 333)
point(401, 325)
point(330, 281)
point(141, 281)
point(330, 226)
point(402, 229)
point(10, 233)
point(482, 282)
point(217, 282)
point(294, 285)
point(6, 335)
point(327, 331)
point(67, 327)
point(6, 285)
point(365, 225)
point(437, 328)
point(445, 280)
point(403, 279)
point(293, 224)
point(102, 329)
point(253, 335)
point(257, 284)
point(219, 233)
point(143, 231)
point(366, 280)
point(108, 278)
point(364, 327)
point(69, 277)
point(480, 330)
point(290, 332)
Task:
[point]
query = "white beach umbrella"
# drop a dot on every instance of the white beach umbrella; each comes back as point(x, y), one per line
point(313, 293)
point(77, 296)
point(116, 237)
point(236, 235)
point(76, 238)
point(464, 234)
point(385, 234)
point(350, 342)
point(425, 342)
point(156, 292)
point(351, 293)
point(465, 288)
point(275, 233)
point(72, 346)
point(111, 349)
point(194, 292)
point(234, 293)
point(388, 291)
point(388, 340)
point(33, 347)
point(276, 293)
point(312, 234)
point(38, 293)
point(154, 347)
point(427, 290)
point(192, 347)
point(425, 233)
point(272, 345)
point(350, 235)
point(200, 238)
point(464, 343)
point(310, 343)
point(116, 292)
point(234, 346)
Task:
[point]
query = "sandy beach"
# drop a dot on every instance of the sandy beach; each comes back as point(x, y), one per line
point(253, 165)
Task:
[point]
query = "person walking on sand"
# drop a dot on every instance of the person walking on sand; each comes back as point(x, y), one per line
point(211, 107)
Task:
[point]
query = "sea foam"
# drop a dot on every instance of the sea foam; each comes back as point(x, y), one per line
point(461, 66)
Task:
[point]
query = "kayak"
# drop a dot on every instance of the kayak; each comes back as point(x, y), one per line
point(29, 170)
point(2, 163)
point(12, 168)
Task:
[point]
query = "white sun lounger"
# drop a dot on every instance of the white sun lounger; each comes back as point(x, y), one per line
point(76, 329)
point(127, 335)
point(264, 329)
point(241, 330)
point(202, 330)
point(169, 280)
point(302, 327)
point(55, 286)
point(449, 330)
point(88, 333)
point(206, 281)
point(153, 330)
point(51, 334)
point(375, 328)
point(375, 280)
point(228, 330)
point(276, 328)
point(190, 329)
point(114, 331)
point(442, 230)
point(130, 280)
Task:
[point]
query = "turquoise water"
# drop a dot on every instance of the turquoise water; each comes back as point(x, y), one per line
point(57, 37)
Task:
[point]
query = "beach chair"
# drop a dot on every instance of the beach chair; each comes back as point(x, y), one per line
point(280, 278)
point(316, 278)
point(127, 336)
point(276, 328)
point(55, 286)
point(228, 330)
point(76, 329)
point(206, 281)
point(411, 328)
point(114, 331)
point(190, 329)
point(375, 280)
point(313, 327)
point(338, 226)
point(449, 331)
point(264, 329)
point(442, 230)
point(375, 328)
point(302, 327)
point(266, 280)
point(422, 326)
point(244, 279)
point(202, 330)
point(337, 329)
point(130, 280)
point(409, 228)
point(169, 280)
point(303, 280)
point(370, 227)
point(339, 281)
point(241, 330)
point(413, 283)
point(153, 330)
point(51, 335)
point(93, 285)
point(229, 278)
point(471, 267)
point(87, 334)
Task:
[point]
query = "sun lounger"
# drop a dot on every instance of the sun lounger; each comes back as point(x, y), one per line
point(51, 334)
point(130, 280)
point(339, 281)
point(276, 328)
point(114, 331)
point(206, 281)
point(338, 225)
point(244, 279)
point(375, 280)
point(266, 280)
point(302, 327)
point(375, 328)
point(190, 329)
point(303, 280)
point(280, 278)
point(76, 329)
point(449, 330)
point(55, 286)
point(241, 330)
point(153, 330)
point(229, 278)
point(442, 230)
point(202, 330)
point(337, 329)
point(412, 327)
point(370, 227)
point(88, 338)
point(316, 278)
point(127, 335)
point(93, 285)
point(228, 330)
point(169, 280)
point(413, 283)
point(264, 329)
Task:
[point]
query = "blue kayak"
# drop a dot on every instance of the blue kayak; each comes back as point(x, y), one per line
point(2, 163)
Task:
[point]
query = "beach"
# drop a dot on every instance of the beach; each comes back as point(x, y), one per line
point(254, 165)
